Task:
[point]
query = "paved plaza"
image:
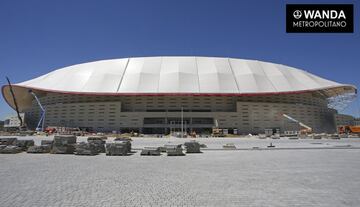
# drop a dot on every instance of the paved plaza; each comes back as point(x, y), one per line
point(288, 177)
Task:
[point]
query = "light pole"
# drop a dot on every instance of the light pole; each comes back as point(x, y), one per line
point(182, 122)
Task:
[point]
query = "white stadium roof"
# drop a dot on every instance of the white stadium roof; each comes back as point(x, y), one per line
point(178, 75)
point(181, 75)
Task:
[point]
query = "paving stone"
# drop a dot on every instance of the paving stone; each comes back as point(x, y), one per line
point(316, 177)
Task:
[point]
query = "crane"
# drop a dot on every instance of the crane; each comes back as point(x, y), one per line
point(22, 126)
point(307, 128)
point(40, 125)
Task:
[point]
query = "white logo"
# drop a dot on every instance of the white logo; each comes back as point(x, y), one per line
point(323, 14)
point(297, 14)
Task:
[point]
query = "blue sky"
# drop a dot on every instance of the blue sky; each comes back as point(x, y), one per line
point(37, 37)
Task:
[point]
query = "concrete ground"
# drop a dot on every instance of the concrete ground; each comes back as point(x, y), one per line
point(302, 176)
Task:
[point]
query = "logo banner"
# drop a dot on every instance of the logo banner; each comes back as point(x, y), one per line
point(319, 18)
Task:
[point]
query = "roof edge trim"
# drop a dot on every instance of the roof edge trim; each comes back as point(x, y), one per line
point(181, 93)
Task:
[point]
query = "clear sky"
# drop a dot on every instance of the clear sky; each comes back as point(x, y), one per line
point(37, 36)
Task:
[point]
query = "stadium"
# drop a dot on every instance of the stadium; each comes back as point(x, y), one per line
point(156, 95)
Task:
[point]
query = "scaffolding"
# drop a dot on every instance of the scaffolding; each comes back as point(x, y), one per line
point(341, 102)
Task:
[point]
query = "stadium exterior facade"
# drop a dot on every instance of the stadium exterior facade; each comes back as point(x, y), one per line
point(148, 95)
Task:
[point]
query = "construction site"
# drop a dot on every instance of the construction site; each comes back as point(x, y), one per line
point(181, 97)
point(190, 131)
point(179, 103)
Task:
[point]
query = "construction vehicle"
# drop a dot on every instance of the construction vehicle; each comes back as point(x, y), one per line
point(40, 125)
point(305, 128)
point(22, 127)
point(268, 132)
point(50, 130)
point(216, 131)
point(193, 134)
point(348, 129)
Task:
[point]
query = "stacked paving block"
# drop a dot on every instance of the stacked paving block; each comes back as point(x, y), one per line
point(10, 149)
point(98, 143)
point(24, 144)
point(126, 141)
point(39, 149)
point(63, 144)
point(7, 141)
point(45, 147)
point(174, 150)
point(118, 148)
point(192, 147)
point(229, 146)
point(150, 151)
point(13, 145)
point(84, 148)
point(47, 142)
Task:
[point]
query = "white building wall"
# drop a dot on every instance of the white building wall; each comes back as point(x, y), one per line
point(247, 114)
point(101, 116)
point(13, 120)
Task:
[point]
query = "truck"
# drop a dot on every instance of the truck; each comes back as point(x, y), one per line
point(348, 129)
point(305, 128)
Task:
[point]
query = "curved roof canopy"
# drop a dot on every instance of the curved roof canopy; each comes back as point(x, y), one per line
point(178, 76)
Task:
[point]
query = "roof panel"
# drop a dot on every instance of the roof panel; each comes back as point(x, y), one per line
point(178, 74)
point(106, 77)
point(216, 76)
point(276, 77)
point(252, 70)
